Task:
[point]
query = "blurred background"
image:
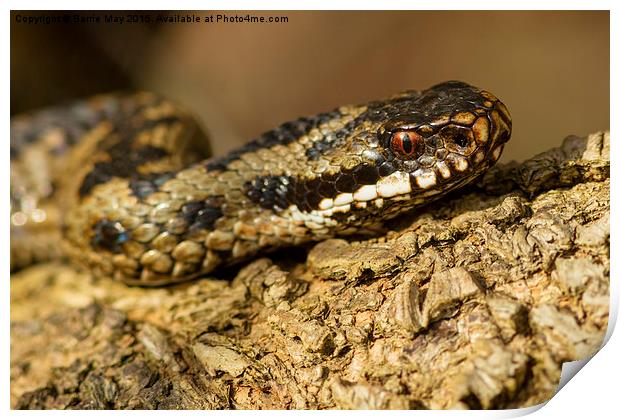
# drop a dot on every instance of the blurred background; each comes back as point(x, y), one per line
point(240, 79)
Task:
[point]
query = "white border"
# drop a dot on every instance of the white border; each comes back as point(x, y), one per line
point(592, 393)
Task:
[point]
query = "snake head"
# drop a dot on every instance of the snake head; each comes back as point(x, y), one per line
point(441, 138)
point(401, 153)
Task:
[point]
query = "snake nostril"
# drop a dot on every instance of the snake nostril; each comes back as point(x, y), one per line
point(461, 140)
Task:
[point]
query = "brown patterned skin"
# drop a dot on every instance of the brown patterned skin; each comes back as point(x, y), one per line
point(119, 183)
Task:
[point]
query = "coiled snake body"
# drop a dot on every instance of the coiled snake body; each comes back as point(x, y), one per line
point(118, 183)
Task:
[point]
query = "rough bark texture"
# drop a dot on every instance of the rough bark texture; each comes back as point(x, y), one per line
point(473, 302)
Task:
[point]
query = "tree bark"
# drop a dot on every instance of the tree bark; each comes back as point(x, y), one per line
point(474, 301)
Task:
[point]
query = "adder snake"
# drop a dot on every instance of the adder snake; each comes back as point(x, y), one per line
point(117, 182)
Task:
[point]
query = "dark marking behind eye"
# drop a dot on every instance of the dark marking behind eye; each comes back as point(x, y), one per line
point(271, 191)
point(109, 235)
point(202, 214)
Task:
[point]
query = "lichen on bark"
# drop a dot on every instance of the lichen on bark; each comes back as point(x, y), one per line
point(474, 301)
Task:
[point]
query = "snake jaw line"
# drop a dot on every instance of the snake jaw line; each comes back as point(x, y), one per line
point(395, 184)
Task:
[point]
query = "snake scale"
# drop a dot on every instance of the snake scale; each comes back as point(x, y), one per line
point(120, 182)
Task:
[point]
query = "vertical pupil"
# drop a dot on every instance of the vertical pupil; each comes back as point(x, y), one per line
point(406, 142)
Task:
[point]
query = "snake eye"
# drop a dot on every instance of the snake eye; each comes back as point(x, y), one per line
point(407, 143)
